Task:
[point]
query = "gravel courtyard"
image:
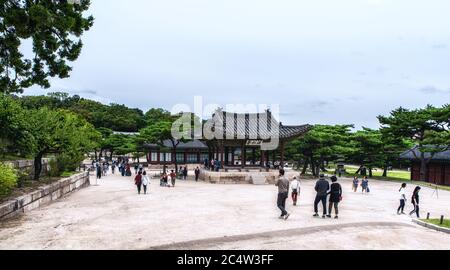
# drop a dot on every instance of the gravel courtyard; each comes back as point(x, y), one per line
point(207, 216)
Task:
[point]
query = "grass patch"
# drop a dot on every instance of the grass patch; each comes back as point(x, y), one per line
point(398, 176)
point(437, 222)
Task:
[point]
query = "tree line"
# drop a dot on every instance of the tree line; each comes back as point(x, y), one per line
point(425, 130)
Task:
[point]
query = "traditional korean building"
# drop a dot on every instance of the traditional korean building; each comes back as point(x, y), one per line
point(239, 141)
point(438, 169)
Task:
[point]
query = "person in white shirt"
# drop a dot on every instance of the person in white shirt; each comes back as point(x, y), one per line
point(401, 208)
point(145, 181)
point(295, 188)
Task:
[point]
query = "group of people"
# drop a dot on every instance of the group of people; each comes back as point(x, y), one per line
point(213, 165)
point(330, 196)
point(101, 169)
point(141, 180)
point(172, 176)
point(414, 201)
point(364, 184)
point(323, 191)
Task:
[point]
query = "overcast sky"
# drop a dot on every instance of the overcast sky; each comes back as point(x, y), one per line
point(326, 62)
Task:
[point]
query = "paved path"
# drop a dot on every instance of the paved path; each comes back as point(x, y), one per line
point(199, 215)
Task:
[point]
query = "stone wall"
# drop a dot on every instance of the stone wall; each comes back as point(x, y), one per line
point(44, 195)
point(247, 177)
point(27, 167)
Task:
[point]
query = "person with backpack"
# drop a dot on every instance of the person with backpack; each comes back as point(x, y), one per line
point(335, 197)
point(138, 182)
point(365, 185)
point(145, 181)
point(295, 188)
point(415, 202)
point(402, 192)
point(322, 187)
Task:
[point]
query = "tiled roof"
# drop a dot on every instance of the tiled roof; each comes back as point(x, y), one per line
point(440, 156)
point(257, 126)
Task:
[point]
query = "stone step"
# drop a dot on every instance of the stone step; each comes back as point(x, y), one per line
point(258, 179)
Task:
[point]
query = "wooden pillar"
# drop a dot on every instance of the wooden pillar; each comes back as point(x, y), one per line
point(232, 155)
point(244, 156)
point(282, 155)
point(227, 160)
point(222, 150)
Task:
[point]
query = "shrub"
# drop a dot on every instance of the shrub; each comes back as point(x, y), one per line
point(8, 179)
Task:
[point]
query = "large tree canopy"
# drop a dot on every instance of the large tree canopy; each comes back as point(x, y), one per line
point(428, 128)
point(54, 28)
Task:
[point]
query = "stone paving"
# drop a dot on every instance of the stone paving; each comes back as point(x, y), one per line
point(212, 216)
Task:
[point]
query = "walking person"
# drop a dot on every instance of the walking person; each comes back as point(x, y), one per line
point(401, 208)
point(173, 177)
point(185, 173)
point(335, 197)
point(122, 169)
point(128, 170)
point(415, 202)
point(136, 168)
point(295, 189)
point(99, 170)
point(283, 190)
point(365, 185)
point(145, 181)
point(197, 174)
point(355, 184)
point(322, 187)
point(113, 168)
point(138, 182)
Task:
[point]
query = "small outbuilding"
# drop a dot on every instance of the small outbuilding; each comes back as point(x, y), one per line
point(438, 169)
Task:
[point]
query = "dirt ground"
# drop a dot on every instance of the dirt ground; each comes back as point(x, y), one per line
point(206, 216)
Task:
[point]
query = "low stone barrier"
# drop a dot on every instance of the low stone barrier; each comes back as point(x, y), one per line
point(250, 177)
point(27, 167)
point(44, 195)
point(431, 226)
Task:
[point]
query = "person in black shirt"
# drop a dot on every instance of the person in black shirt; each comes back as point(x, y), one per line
point(322, 187)
point(197, 174)
point(335, 197)
point(415, 202)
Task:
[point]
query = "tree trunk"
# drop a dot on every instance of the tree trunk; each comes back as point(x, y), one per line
point(313, 167)
point(305, 166)
point(96, 156)
point(385, 169)
point(37, 166)
point(370, 172)
point(321, 165)
point(175, 161)
point(111, 155)
point(359, 170)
